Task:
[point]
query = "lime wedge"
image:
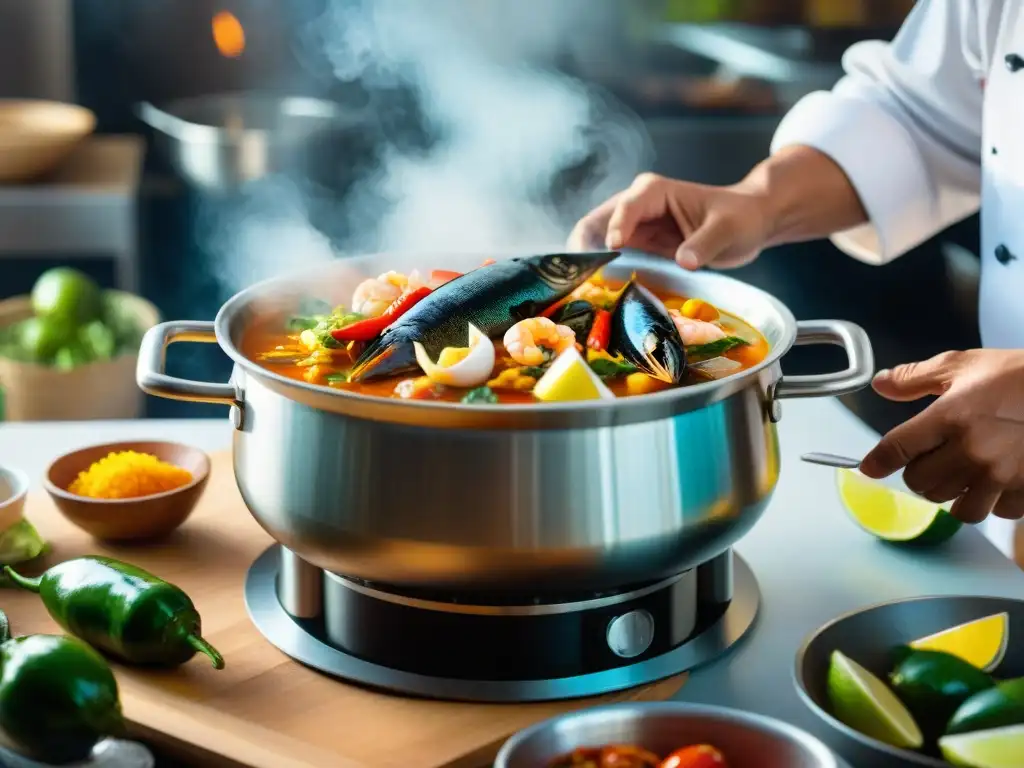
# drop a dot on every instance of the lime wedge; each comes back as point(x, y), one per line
point(892, 515)
point(863, 702)
point(996, 748)
point(981, 643)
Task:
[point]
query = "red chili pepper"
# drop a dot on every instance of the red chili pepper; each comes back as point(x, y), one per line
point(441, 276)
point(550, 311)
point(600, 331)
point(364, 330)
point(488, 262)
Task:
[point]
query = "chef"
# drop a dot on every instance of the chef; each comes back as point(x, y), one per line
point(918, 134)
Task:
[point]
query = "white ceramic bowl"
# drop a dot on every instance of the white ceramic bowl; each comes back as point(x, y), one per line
point(13, 490)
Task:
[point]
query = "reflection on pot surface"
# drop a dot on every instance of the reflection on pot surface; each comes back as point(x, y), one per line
point(585, 495)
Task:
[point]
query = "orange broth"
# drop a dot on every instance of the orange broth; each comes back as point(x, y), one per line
point(270, 335)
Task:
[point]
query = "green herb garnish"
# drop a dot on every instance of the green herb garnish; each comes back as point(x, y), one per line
point(714, 348)
point(303, 322)
point(339, 318)
point(336, 378)
point(480, 396)
point(609, 369)
point(533, 371)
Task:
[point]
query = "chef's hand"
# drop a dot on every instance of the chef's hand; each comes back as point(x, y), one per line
point(694, 224)
point(968, 445)
point(797, 194)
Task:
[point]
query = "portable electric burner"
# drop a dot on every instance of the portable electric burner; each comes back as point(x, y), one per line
point(514, 650)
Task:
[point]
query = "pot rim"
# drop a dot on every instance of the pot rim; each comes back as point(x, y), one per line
point(167, 118)
point(626, 410)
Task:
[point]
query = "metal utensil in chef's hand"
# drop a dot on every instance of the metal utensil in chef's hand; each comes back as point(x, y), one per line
point(109, 753)
point(831, 460)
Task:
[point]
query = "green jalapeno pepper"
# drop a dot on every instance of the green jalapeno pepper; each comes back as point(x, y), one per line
point(58, 697)
point(121, 610)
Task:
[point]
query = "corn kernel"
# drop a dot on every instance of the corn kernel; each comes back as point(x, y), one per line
point(696, 309)
point(642, 384)
point(511, 378)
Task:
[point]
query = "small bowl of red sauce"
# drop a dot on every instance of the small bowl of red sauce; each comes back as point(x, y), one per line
point(664, 735)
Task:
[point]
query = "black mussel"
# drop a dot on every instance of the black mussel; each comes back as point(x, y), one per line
point(644, 334)
point(578, 315)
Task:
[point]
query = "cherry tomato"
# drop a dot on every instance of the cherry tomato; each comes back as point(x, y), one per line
point(699, 756)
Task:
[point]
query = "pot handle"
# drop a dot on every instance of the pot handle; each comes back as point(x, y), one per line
point(149, 373)
point(858, 373)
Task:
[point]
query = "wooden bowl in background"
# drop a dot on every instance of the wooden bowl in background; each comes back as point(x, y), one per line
point(146, 517)
point(36, 136)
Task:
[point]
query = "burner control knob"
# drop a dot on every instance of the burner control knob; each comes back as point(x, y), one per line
point(630, 634)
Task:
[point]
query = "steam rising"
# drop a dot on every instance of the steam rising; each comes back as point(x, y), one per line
point(508, 123)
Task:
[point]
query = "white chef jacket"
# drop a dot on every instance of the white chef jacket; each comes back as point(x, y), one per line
point(927, 128)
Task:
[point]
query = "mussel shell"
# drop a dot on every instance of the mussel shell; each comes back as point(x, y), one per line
point(578, 315)
point(642, 332)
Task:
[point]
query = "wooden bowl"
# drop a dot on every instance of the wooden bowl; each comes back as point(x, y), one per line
point(36, 136)
point(145, 517)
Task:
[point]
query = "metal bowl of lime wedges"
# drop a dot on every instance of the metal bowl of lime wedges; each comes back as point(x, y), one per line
point(931, 681)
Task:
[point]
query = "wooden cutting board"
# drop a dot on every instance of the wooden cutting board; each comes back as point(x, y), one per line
point(265, 710)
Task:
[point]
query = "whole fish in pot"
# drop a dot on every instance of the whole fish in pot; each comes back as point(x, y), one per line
point(644, 334)
point(492, 298)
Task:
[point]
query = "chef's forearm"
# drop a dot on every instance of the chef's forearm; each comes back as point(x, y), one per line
point(806, 196)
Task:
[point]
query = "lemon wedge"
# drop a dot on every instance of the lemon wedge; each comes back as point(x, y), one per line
point(570, 378)
point(892, 515)
point(981, 643)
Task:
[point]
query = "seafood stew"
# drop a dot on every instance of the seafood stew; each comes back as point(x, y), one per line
point(547, 328)
point(632, 756)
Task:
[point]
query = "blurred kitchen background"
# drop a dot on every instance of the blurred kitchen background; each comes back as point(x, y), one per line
point(235, 139)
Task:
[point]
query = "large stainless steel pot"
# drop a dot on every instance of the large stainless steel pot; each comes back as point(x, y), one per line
point(221, 141)
point(547, 497)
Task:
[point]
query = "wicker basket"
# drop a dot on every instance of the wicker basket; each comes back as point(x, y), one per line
point(102, 390)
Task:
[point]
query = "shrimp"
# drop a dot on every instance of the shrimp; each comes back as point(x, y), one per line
point(696, 332)
point(374, 295)
point(527, 340)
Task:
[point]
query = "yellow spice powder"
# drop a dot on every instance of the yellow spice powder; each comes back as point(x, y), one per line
point(128, 475)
